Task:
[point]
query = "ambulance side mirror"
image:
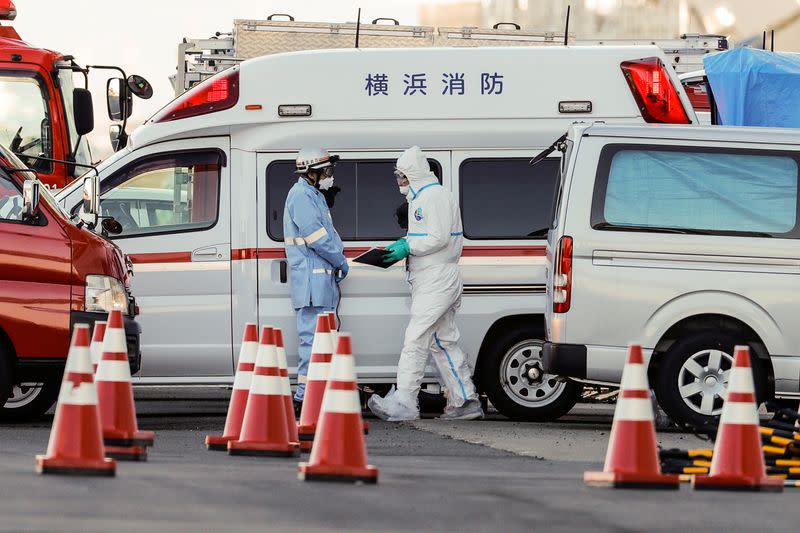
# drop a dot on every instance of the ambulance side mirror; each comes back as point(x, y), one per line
point(91, 200)
point(119, 99)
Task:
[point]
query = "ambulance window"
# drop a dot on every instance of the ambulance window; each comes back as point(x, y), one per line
point(364, 205)
point(170, 193)
point(507, 198)
point(10, 200)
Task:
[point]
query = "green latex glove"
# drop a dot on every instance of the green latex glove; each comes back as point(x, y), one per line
point(399, 250)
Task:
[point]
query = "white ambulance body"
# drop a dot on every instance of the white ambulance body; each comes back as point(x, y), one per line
point(208, 248)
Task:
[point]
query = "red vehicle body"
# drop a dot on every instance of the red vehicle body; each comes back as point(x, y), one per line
point(44, 263)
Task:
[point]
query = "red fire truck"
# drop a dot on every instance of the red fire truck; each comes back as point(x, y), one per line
point(45, 115)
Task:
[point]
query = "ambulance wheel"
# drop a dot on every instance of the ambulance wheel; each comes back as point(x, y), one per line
point(28, 401)
point(510, 373)
point(692, 377)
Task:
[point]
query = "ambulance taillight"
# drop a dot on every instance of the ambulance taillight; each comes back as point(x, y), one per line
point(562, 275)
point(652, 88)
point(214, 94)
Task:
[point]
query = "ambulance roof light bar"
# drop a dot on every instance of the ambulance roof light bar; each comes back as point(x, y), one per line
point(8, 11)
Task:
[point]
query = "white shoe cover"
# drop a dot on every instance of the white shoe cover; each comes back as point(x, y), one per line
point(392, 408)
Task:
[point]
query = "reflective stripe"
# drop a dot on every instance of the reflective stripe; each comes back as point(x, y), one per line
point(321, 271)
point(341, 401)
point(118, 371)
point(242, 380)
point(453, 234)
point(83, 394)
point(317, 235)
point(79, 360)
point(741, 380)
point(634, 378)
point(638, 409)
point(294, 241)
point(267, 385)
point(739, 413)
point(343, 368)
point(281, 352)
point(452, 366)
point(286, 388)
point(322, 343)
point(114, 340)
point(318, 371)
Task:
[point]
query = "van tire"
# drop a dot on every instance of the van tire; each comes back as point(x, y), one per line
point(497, 378)
point(672, 369)
point(6, 372)
point(35, 401)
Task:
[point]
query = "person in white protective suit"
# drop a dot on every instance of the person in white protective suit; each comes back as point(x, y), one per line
point(432, 248)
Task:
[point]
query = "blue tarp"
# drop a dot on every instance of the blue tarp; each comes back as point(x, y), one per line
point(755, 87)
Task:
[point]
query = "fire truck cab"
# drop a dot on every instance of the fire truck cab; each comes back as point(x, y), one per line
point(46, 110)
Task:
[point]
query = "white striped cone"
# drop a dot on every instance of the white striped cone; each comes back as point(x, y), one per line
point(632, 454)
point(339, 452)
point(96, 348)
point(286, 387)
point(117, 409)
point(738, 460)
point(76, 441)
point(264, 430)
point(318, 368)
point(241, 390)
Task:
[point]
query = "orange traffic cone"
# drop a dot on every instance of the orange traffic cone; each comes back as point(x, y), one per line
point(286, 388)
point(339, 452)
point(264, 430)
point(96, 348)
point(632, 455)
point(117, 410)
point(76, 441)
point(321, 355)
point(738, 461)
point(241, 389)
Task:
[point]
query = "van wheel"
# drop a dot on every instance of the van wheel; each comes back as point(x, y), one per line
point(693, 378)
point(6, 374)
point(29, 401)
point(510, 373)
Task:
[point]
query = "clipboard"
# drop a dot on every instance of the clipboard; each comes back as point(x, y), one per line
point(374, 257)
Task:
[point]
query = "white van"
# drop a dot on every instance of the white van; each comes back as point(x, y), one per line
point(223, 155)
point(684, 240)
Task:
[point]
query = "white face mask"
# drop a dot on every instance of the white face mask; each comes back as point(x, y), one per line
point(404, 190)
point(326, 183)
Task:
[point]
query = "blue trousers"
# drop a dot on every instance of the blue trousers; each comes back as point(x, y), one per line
point(306, 326)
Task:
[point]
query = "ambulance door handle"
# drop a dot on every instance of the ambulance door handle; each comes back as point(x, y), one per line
point(211, 253)
point(283, 267)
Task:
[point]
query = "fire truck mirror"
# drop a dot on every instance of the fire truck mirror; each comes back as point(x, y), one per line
point(82, 110)
point(118, 99)
point(139, 86)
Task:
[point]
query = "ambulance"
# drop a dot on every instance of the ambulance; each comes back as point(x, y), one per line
point(200, 191)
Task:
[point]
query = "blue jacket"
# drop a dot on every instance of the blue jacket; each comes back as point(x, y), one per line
point(313, 247)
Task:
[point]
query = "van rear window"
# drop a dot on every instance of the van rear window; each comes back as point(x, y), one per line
point(723, 191)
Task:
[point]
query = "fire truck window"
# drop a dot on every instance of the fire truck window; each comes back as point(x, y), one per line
point(24, 120)
point(507, 198)
point(168, 194)
point(10, 200)
point(364, 205)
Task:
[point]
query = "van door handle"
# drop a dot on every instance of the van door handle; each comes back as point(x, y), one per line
point(283, 267)
point(209, 253)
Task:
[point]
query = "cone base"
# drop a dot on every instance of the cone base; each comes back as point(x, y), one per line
point(342, 474)
point(306, 432)
point(621, 480)
point(127, 453)
point(306, 445)
point(123, 438)
point(76, 467)
point(218, 443)
point(260, 449)
point(737, 483)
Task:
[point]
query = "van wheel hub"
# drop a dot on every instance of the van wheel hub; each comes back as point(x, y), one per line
point(523, 379)
point(703, 381)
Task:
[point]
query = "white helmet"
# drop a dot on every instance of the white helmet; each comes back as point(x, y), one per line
point(313, 158)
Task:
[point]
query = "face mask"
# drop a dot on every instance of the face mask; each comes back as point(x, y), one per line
point(325, 183)
point(404, 190)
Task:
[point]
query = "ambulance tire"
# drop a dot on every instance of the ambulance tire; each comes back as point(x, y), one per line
point(6, 371)
point(29, 401)
point(503, 373)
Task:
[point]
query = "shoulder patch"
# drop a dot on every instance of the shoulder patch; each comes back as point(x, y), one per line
point(418, 214)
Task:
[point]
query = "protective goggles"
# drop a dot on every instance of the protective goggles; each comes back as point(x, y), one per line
point(328, 171)
point(400, 177)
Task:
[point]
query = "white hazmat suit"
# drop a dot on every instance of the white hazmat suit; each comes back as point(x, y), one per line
point(435, 239)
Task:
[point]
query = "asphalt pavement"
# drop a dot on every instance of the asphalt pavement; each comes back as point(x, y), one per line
point(431, 479)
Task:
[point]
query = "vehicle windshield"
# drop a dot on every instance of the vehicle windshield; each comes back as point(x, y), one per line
point(44, 192)
point(82, 153)
point(25, 125)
